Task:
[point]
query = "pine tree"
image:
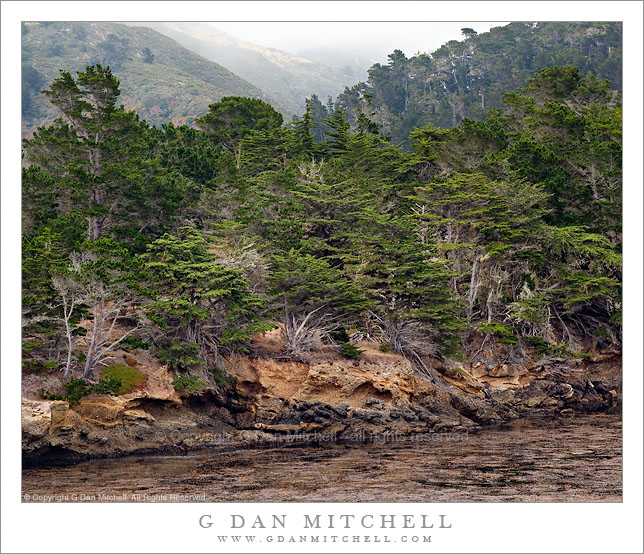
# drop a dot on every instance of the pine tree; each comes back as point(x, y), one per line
point(311, 299)
point(43, 255)
point(233, 117)
point(96, 162)
point(414, 310)
point(201, 305)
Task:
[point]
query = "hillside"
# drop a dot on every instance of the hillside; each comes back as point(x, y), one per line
point(160, 80)
point(288, 78)
point(467, 78)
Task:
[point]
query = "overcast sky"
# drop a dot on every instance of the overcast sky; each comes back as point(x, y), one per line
point(383, 38)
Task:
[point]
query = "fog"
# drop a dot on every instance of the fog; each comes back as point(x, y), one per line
point(375, 38)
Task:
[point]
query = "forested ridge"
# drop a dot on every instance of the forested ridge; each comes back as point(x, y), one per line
point(465, 79)
point(189, 241)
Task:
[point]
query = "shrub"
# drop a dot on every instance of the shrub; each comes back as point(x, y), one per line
point(385, 348)
point(130, 377)
point(543, 347)
point(130, 361)
point(350, 351)
point(340, 335)
point(75, 389)
point(50, 395)
point(107, 385)
point(504, 334)
point(186, 385)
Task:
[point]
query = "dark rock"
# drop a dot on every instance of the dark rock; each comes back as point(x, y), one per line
point(371, 416)
point(374, 402)
point(409, 415)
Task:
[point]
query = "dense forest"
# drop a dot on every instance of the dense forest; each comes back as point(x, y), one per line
point(188, 241)
point(465, 79)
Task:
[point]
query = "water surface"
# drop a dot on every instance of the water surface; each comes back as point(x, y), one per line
point(566, 460)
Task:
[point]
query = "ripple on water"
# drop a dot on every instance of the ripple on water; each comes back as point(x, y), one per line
point(571, 460)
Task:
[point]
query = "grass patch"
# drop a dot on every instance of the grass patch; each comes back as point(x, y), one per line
point(130, 377)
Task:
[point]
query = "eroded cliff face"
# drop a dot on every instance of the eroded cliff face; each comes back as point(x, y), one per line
point(382, 393)
point(331, 398)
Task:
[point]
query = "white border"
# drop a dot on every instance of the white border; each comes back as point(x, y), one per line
point(173, 528)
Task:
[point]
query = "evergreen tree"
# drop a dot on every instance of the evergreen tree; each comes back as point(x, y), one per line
point(414, 310)
point(43, 255)
point(233, 117)
point(312, 299)
point(96, 163)
point(201, 307)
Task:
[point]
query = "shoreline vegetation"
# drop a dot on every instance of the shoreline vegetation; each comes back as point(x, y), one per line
point(257, 278)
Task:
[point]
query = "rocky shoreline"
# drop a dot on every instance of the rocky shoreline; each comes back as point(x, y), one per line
point(330, 399)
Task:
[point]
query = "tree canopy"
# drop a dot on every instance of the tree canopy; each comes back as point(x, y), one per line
point(194, 240)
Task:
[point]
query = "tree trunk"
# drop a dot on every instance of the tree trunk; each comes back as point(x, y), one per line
point(68, 366)
point(70, 342)
point(91, 348)
point(473, 289)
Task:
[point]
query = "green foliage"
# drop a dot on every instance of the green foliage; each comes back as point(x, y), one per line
point(224, 379)
point(408, 283)
point(350, 351)
point(112, 385)
point(98, 163)
point(466, 79)
point(75, 389)
point(190, 152)
point(180, 355)
point(509, 226)
point(311, 298)
point(543, 347)
point(200, 301)
point(132, 343)
point(189, 385)
point(340, 335)
point(234, 117)
point(503, 333)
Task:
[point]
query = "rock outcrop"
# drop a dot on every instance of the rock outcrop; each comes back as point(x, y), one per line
point(377, 396)
point(381, 393)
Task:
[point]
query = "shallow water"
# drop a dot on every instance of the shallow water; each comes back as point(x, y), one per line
point(566, 460)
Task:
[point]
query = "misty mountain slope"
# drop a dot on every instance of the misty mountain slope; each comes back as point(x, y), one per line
point(469, 77)
point(287, 78)
point(160, 79)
